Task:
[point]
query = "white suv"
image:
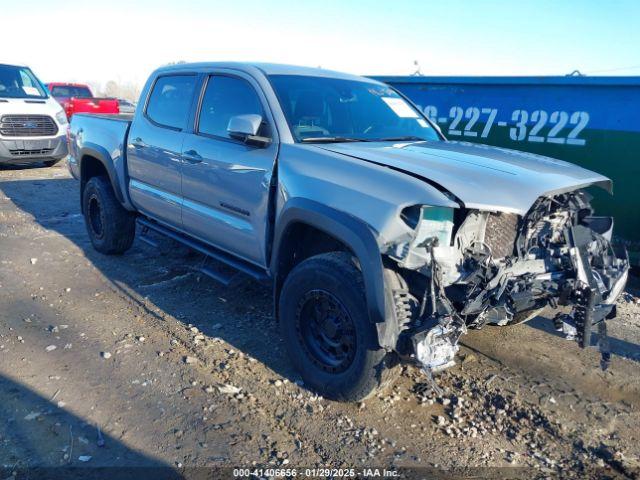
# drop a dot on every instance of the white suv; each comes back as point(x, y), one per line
point(33, 126)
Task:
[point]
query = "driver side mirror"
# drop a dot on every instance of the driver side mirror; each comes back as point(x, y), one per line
point(245, 128)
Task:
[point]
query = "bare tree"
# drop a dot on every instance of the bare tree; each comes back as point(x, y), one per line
point(128, 90)
point(112, 89)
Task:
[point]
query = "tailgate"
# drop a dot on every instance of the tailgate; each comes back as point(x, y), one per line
point(92, 105)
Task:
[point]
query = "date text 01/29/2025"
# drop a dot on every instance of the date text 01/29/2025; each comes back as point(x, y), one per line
point(315, 472)
point(539, 126)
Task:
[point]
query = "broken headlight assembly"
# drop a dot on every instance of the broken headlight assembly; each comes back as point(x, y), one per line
point(430, 224)
point(469, 268)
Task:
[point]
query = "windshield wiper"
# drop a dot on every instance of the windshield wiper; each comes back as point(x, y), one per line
point(407, 138)
point(332, 139)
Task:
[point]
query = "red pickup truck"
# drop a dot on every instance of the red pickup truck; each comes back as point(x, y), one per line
point(77, 98)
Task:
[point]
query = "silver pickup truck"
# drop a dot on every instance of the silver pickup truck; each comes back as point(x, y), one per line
point(384, 242)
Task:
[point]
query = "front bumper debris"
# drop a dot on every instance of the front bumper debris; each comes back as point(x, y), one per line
point(593, 300)
point(436, 348)
point(562, 258)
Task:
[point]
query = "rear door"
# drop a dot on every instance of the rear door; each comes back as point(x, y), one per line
point(155, 147)
point(225, 182)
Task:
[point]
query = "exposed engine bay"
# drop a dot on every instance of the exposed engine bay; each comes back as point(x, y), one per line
point(477, 268)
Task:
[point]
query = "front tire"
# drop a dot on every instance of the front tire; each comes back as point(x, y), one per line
point(111, 228)
point(327, 331)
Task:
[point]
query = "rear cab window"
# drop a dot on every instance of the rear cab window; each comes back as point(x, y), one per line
point(68, 91)
point(170, 100)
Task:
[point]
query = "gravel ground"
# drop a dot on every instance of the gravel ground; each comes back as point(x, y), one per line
point(138, 360)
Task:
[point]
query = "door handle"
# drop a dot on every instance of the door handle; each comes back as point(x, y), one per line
point(192, 156)
point(138, 143)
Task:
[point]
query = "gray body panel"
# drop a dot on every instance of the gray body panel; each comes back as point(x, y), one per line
point(364, 180)
point(243, 199)
point(154, 168)
point(226, 184)
point(103, 137)
point(371, 193)
point(483, 177)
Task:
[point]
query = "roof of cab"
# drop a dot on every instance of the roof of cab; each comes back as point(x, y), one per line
point(265, 68)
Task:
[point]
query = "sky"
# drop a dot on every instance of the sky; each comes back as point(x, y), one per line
point(96, 41)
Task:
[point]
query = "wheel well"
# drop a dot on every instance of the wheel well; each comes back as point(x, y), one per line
point(299, 242)
point(90, 167)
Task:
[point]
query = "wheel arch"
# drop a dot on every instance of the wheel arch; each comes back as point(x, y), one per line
point(94, 162)
point(349, 233)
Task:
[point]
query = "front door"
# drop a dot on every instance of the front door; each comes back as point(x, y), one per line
point(226, 182)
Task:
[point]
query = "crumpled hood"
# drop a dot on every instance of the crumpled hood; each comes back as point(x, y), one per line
point(482, 177)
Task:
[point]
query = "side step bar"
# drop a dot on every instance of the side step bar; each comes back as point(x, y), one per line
point(212, 252)
point(149, 241)
point(220, 277)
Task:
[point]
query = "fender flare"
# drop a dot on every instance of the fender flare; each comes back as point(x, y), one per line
point(103, 157)
point(356, 235)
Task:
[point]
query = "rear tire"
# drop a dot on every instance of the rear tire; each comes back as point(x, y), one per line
point(327, 331)
point(111, 228)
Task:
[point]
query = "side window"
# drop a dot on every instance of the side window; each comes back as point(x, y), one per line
point(224, 98)
point(26, 81)
point(170, 100)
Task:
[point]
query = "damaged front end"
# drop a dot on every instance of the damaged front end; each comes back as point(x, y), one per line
point(468, 268)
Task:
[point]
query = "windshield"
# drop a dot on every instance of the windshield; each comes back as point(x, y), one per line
point(322, 109)
point(68, 91)
point(19, 82)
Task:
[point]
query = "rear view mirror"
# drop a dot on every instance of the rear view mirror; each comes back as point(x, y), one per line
point(245, 128)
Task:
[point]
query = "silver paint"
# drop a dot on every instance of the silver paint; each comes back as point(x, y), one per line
point(369, 181)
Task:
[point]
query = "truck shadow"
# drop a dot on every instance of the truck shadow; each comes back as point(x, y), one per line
point(22, 166)
point(166, 278)
point(618, 347)
point(42, 440)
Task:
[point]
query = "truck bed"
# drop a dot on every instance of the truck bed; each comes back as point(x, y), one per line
point(75, 106)
point(118, 117)
point(103, 135)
